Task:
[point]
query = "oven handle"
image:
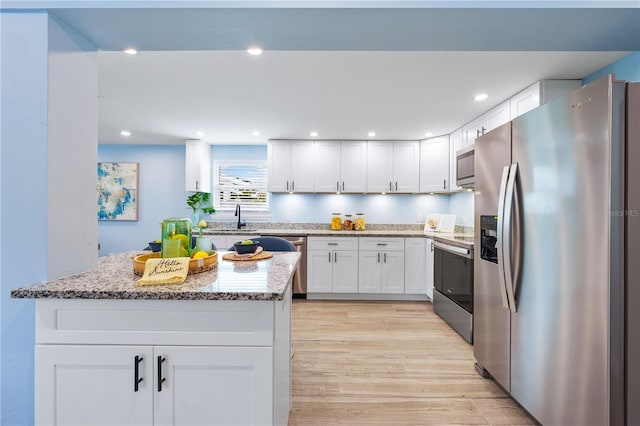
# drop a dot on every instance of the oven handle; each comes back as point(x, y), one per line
point(464, 252)
point(502, 282)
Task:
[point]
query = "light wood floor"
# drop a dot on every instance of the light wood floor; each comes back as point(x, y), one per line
point(389, 364)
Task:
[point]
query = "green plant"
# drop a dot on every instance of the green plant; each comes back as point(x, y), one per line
point(200, 201)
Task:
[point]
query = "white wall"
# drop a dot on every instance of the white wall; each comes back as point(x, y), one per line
point(72, 145)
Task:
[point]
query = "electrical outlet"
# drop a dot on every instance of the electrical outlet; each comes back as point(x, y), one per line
point(420, 218)
point(289, 215)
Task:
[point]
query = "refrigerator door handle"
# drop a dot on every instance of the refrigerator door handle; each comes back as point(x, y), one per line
point(500, 238)
point(506, 236)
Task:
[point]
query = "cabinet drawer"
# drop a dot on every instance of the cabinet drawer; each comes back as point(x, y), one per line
point(332, 243)
point(374, 243)
point(155, 322)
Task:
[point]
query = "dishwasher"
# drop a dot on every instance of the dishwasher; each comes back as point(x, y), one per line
point(300, 276)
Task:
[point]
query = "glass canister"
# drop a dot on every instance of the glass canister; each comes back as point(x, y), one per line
point(347, 224)
point(336, 221)
point(176, 237)
point(359, 223)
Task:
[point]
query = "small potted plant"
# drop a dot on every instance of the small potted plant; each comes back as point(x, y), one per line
point(200, 201)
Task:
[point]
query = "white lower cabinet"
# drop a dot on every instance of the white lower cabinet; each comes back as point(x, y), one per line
point(332, 265)
point(131, 362)
point(213, 386)
point(93, 385)
point(381, 265)
point(419, 266)
point(87, 384)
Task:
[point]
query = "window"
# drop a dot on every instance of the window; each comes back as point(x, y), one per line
point(241, 182)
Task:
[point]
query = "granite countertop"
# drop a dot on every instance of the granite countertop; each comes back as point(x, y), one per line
point(462, 237)
point(114, 279)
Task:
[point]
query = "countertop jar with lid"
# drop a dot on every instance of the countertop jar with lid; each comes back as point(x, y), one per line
point(176, 237)
point(359, 223)
point(336, 221)
point(347, 224)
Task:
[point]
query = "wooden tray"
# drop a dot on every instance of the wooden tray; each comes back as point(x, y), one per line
point(238, 257)
point(196, 266)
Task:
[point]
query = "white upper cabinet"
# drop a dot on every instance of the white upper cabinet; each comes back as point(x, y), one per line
point(291, 165)
point(540, 93)
point(393, 167)
point(456, 142)
point(340, 166)
point(327, 166)
point(198, 166)
point(497, 116)
point(379, 166)
point(434, 164)
point(353, 166)
point(406, 166)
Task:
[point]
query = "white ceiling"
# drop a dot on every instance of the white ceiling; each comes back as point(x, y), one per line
point(341, 67)
point(164, 97)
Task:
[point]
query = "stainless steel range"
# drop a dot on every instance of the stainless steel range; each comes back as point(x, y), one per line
point(453, 287)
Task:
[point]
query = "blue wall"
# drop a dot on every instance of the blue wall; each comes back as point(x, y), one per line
point(627, 68)
point(161, 194)
point(23, 141)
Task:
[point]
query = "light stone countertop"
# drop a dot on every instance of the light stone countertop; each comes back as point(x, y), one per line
point(460, 239)
point(266, 279)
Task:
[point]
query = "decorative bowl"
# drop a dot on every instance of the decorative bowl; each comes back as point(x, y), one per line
point(246, 248)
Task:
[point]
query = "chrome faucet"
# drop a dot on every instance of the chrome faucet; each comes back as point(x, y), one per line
point(240, 223)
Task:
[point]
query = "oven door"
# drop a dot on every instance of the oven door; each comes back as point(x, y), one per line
point(453, 274)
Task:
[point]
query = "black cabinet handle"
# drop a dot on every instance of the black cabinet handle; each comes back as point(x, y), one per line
point(332, 244)
point(293, 185)
point(378, 257)
point(329, 257)
point(396, 185)
point(136, 374)
point(161, 379)
point(483, 130)
point(196, 185)
point(444, 184)
point(381, 244)
point(335, 256)
point(389, 186)
point(287, 185)
point(337, 186)
point(343, 185)
point(385, 258)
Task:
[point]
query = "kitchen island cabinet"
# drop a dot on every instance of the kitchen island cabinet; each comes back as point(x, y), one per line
point(213, 350)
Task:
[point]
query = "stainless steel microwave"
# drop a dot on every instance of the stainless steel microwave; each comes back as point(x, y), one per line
point(465, 158)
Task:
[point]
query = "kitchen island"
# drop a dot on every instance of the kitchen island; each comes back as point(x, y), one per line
point(213, 350)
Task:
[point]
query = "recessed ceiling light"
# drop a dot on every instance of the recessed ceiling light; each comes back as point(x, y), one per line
point(255, 51)
point(481, 97)
point(371, 134)
point(428, 134)
point(199, 133)
point(313, 134)
point(125, 133)
point(256, 133)
point(130, 51)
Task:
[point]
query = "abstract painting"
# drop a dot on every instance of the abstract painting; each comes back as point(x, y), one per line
point(117, 191)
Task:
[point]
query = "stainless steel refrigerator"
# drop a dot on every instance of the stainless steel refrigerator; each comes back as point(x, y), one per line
point(554, 219)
